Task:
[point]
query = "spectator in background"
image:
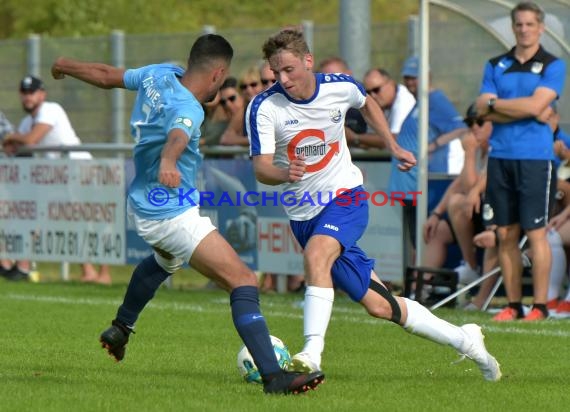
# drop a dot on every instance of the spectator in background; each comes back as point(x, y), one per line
point(395, 99)
point(46, 124)
point(216, 121)
point(233, 103)
point(354, 122)
point(464, 207)
point(5, 129)
point(445, 126)
point(519, 87)
point(453, 219)
point(5, 126)
point(249, 86)
point(266, 75)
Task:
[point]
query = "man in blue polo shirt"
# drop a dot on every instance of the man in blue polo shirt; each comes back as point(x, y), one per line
point(518, 88)
point(446, 155)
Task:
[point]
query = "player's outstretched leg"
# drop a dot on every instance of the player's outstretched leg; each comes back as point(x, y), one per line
point(467, 339)
point(147, 278)
point(316, 317)
point(252, 328)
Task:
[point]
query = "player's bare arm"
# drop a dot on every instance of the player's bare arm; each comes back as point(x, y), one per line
point(98, 74)
point(266, 172)
point(374, 116)
point(168, 173)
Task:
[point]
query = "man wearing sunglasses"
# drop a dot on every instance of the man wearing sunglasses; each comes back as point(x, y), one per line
point(394, 99)
point(234, 105)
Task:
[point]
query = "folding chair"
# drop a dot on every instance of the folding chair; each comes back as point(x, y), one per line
point(485, 276)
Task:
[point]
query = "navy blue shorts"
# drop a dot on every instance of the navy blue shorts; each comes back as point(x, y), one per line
point(518, 191)
point(345, 221)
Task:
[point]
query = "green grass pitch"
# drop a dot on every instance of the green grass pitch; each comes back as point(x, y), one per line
point(183, 357)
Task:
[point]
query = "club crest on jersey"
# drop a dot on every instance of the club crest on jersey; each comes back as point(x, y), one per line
point(184, 120)
point(536, 67)
point(335, 115)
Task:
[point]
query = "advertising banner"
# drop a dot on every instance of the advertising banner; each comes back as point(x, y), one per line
point(62, 210)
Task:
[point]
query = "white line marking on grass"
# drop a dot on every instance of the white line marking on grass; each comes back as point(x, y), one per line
point(112, 302)
point(520, 331)
point(340, 314)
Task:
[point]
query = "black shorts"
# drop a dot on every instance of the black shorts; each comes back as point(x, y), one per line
point(518, 191)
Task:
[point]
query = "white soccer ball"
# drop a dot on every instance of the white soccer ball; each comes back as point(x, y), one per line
point(247, 368)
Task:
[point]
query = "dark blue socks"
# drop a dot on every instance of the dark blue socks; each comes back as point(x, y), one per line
point(146, 279)
point(252, 329)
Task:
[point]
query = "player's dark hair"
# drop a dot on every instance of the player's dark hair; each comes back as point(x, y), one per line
point(528, 6)
point(208, 48)
point(290, 40)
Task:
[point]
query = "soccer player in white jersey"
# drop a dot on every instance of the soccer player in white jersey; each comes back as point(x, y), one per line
point(165, 123)
point(297, 138)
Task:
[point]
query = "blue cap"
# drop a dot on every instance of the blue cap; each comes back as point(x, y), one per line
point(411, 67)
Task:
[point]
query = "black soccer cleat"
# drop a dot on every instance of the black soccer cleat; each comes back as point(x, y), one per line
point(115, 339)
point(293, 383)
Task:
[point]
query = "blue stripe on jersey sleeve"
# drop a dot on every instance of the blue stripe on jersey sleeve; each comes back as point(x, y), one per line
point(255, 144)
point(340, 77)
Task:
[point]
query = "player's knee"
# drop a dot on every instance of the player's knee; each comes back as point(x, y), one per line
point(169, 265)
point(382, 310)
point(387, 307)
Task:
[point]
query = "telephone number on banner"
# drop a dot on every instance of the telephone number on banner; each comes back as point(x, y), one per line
point(67, 243)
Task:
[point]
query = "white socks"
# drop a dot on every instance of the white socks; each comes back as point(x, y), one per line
point(317, 314)
point(423, 323)
point(558, 268)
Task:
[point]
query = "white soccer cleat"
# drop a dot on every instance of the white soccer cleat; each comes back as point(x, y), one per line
point(476, 351)
point(302, 362)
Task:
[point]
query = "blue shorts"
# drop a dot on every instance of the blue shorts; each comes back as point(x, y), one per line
point(345, 221)
point(519, 191)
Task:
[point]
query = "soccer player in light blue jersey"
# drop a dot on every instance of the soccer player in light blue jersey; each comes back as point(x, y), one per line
point(163, 202)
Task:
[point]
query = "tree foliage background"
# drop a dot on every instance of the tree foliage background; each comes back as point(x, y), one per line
point(94, 17)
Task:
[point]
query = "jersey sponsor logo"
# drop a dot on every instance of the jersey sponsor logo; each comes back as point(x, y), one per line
point(291, 122)
point(292, 148)
point(331, 227)
point(184, 120)
point(335, 115)
point(536, 67)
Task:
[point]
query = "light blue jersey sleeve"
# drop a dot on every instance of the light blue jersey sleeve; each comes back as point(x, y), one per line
point(163, 104)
